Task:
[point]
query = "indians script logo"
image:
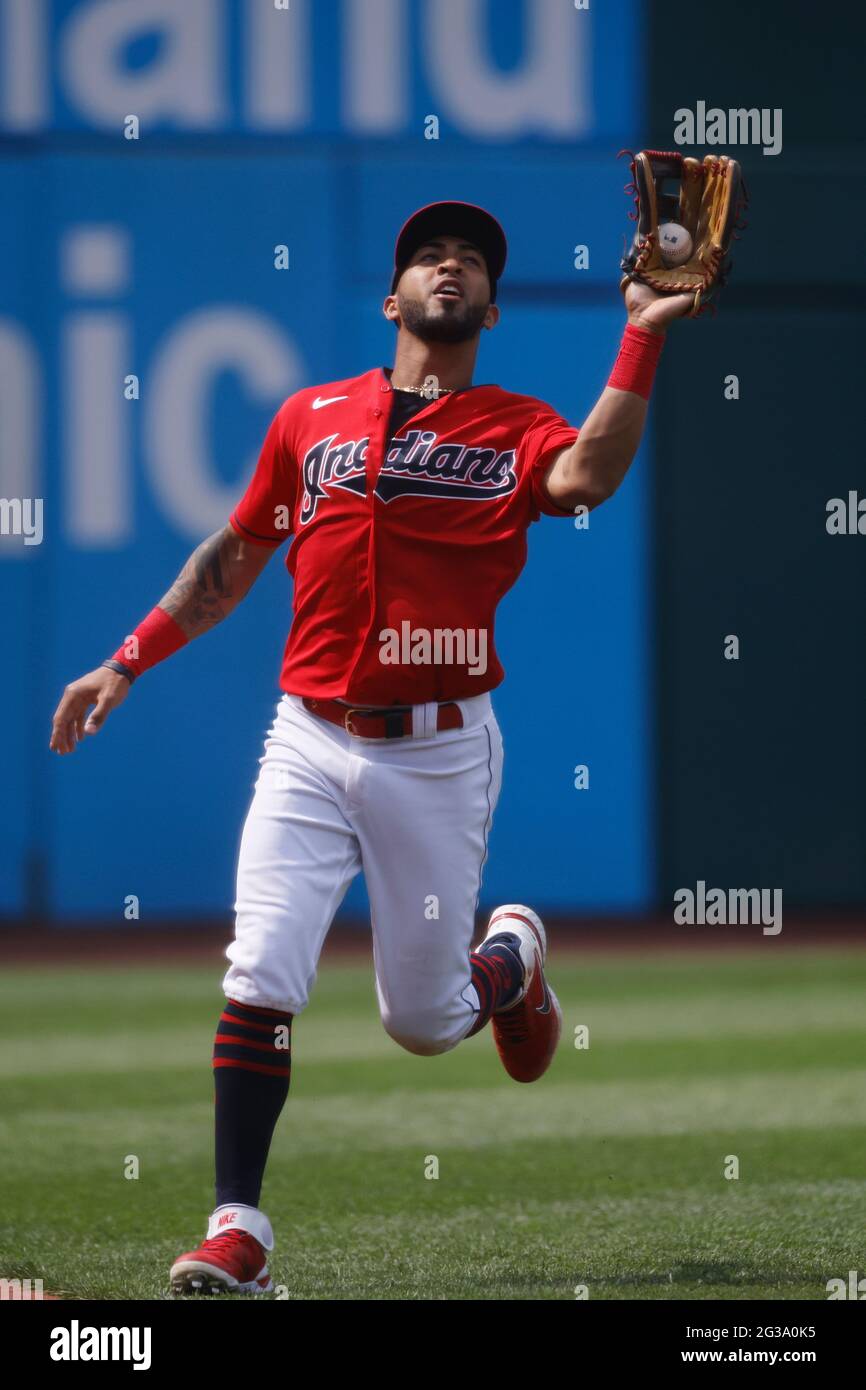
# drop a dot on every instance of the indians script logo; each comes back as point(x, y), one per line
point(414, 466)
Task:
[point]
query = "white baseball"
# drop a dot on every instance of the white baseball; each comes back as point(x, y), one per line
point(675, 243)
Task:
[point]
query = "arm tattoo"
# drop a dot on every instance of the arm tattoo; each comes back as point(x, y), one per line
point(201, 596)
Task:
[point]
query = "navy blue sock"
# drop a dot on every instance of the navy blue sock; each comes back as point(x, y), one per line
point(252, 1062)
point(497, 974)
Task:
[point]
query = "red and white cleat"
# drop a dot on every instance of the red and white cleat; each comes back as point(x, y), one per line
point(230, 1261)
point(527, 1031)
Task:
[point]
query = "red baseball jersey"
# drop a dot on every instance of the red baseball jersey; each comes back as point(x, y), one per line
point(403, 541)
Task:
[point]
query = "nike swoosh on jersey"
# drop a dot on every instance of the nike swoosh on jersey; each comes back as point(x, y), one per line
point(318, 403)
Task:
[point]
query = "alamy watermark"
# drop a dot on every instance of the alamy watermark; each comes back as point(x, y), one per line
point(77, 1343)
point(846, 516)
point(729, 907)
point(438, 646)
point(22, 516)
point(855, 1287)
point(736, 126)
point(14, 1289)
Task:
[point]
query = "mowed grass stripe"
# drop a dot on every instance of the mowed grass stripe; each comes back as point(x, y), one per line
point(478, 1117)
point(96, 1035)
point(174, 991)
point(590, 1170)
point(458, 1239)
point(171, 1065)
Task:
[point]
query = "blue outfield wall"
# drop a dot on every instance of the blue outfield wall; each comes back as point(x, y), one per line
point(156, 258)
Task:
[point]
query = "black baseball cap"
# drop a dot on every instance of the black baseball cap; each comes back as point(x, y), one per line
point(453, 219)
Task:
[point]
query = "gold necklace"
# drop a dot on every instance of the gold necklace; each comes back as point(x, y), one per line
point(426, 390)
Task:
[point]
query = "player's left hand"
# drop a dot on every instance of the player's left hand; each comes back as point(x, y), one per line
point(648, 309)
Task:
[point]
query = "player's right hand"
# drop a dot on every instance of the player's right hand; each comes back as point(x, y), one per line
point(103, 688)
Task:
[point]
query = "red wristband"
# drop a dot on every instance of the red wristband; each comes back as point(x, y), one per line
point(153, 640)
point(635, 367)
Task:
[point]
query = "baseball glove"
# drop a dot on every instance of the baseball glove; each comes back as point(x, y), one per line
point(709, 203)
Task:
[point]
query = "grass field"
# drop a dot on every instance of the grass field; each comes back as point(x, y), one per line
point(608, 1173)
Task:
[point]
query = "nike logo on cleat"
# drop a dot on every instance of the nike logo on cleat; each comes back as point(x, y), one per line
point(544, 1006)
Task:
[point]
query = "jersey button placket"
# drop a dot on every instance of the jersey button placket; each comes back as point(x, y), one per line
point(378, 411)
point(382, 418)
point(377, 429)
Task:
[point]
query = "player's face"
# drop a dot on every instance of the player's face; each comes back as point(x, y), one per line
point(444, 292)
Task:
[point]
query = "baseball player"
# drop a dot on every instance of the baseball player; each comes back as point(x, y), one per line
point(407, 494)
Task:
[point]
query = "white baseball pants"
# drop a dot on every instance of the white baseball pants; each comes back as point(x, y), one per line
point(415, 814)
